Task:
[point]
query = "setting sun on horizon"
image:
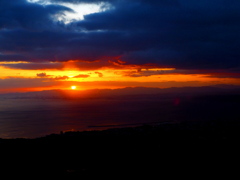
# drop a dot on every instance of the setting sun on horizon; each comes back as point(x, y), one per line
point(79, 43)
point(82, 77)
point(73, 87)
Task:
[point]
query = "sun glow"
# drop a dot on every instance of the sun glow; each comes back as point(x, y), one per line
point(23, 76)
point(73, 87)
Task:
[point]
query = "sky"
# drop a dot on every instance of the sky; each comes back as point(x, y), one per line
point(56, 44)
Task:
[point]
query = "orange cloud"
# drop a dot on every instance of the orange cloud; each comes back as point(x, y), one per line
point(99, 74)
point(61, 78)
point(109, 74)
point(82, 76)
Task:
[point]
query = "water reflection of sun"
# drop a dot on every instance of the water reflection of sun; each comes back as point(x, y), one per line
point(73, 87)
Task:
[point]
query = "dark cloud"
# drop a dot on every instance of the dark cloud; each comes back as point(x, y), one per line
point(50, 77)
point(37, 65)
point(42, 75)
point(184, 34)
point(83, 1)
point(14, 82)
point(32, 16)
point(208, 73)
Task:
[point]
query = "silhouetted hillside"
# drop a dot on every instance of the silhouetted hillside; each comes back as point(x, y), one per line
point(202, 148)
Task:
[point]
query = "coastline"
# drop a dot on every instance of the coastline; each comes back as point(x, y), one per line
point(148, 149)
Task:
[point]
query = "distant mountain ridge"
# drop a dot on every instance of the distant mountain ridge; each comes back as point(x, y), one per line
point(128, 91)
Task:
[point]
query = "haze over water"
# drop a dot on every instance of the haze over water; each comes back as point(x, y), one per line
point(34, 117)
point(30, 115)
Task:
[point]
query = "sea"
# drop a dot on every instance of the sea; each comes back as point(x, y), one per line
point(34, 116)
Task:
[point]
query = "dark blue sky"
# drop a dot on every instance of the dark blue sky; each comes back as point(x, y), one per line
point(184, 34)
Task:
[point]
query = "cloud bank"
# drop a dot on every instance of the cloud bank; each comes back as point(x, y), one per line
point(182, 34)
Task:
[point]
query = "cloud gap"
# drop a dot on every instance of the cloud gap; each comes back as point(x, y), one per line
point(79, 10)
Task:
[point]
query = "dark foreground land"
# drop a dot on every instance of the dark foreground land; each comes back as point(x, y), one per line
point(193, 150)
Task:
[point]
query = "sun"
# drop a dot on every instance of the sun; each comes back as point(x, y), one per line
point(73, 87)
